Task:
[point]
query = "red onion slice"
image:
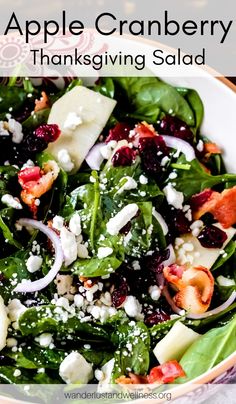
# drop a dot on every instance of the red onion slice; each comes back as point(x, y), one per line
point(172, 258)
point(169, 299)
point(179, 144)
point(29, 286)
point(217, 310)
point(94, 157)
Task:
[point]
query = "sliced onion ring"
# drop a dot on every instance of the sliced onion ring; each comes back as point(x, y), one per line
point(94, 158)
point(217, 310)
point(171, 302)
point(180, 144)
point(28, 286)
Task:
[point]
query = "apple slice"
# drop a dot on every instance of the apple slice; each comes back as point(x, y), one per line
point(200, 256)
point(81, 114)
point(4, 323)
point(175, 343)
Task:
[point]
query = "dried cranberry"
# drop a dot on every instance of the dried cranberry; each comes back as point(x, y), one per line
point(212, 237)
point(154, 262)
point(199, 199)
point(176, 221)
point(173, 126)
point(157, 317)
point(124, 156)
point(48, 132)
point(31, 145)
point(120, 292)
point(119, 132)
point(152, 150)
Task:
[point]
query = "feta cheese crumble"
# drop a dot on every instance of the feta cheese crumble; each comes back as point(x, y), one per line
point(71, 123)
point(12, 202)
point(16, 129)
point(75, 369)
point(115, 224)
point(58, 222)
point(128, 185)
point(69, 246)
point(174, 198)
point(75, 224)
point(133, 308)
point(34, 263)
point(104, 252)
point(64, 160)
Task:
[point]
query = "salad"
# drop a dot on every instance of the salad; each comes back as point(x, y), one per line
point(117, 234)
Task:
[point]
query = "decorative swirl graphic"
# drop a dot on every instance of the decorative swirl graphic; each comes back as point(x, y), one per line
point(13, 51)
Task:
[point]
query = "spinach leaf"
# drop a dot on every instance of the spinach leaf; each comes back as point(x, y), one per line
point(7, 375)
point(12, 97)
point(143, 92)
point(229, 251)
point(195, 179)
point(36, 119)
point(13, 269)
point(158, 331)
point(209, 350)
point(105, 86)
point(35, 357)
point(195, 103)
point(96, 267)
point(7, 234)
point(37, 320)
point(97, 357)
point(132, 354)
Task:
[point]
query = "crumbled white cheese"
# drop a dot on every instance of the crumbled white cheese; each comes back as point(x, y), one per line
point(15, 309)
point(75, 224)
point(78, 300)
point(155, 292)
point(4, 323)
point(75, 369)
point(174, 198)
point(69, 246)
point(34, 263)
point(173, 175)
point(196, 227)
point(44, 339)
point(143, 180)
point(71, 123)
point(17, 373)
point(116, 223)
point(16, 129)
point(10, 201)
point(65, 161)
point(104, 252)
point(82, 251)
point(128, 185)
point(58, 222)
point(165, 161)
point(161, 221)
point(223, 281)
point(29, 163)
point(107, 369)
point(136, 266)
point(200, 146)
point(133, 308)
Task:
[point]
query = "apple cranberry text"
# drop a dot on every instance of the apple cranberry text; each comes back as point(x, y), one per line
point(164, 26)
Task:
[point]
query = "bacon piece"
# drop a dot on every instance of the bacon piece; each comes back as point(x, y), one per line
point(195, 288)
point(42, 103)
point(221, 205)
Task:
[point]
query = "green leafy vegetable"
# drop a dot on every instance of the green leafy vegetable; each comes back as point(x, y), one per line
point(209, 350)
